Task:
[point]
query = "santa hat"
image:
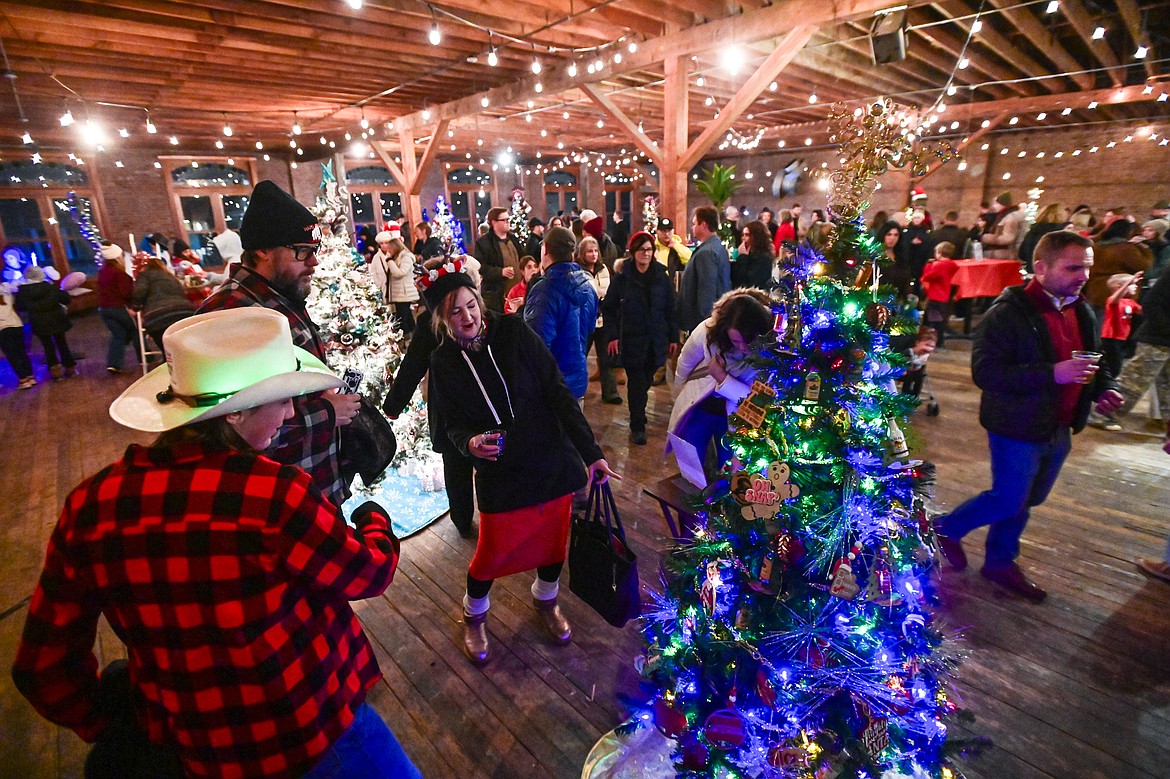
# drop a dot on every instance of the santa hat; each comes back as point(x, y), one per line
point(394, 229)
point(918, 193)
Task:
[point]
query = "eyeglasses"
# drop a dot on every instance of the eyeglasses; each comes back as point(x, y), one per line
point(303, 251)
point(644, 249)
point(502, 219)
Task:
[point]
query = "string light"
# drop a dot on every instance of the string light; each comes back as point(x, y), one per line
point(174, 140)
point(296, 128)
point(1098, 33)
point(493, 59)
point(355, 4)
point(1053, 7)
point(1141, 52)
point(812, 98)
point(572, 70)
point(434, 36)
point(218, 144)
point(26, 138)
point(227, 128)
point(66, 118)
point(150, 128)
point(259, 145)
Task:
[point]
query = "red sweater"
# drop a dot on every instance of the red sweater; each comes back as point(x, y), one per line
point(936, 279)
point(1065, 332)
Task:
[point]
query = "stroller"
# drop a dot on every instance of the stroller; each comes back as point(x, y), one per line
point(914, 379)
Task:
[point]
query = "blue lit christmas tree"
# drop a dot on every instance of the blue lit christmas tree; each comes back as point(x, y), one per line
point(447, 229)
point(796, 636)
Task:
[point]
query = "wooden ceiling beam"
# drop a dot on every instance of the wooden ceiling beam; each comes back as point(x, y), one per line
point(992, 41)
point(947, 41)
point(739, 30)
point(1080, 21)
point(640, 139)
point(755, 85)
point(1132, 16)
point(1043, 40)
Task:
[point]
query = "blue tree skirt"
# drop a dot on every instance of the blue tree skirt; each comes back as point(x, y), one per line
point(410, 508)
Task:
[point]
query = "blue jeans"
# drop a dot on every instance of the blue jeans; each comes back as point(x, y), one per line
point(700, 429)
point(122, 333)
point(1022, 475)
point(367, 748)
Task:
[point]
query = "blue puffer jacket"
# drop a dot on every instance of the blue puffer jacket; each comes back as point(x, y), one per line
point(562, 308)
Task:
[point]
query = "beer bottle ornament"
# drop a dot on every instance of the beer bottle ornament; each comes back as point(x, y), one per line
point(812, 386)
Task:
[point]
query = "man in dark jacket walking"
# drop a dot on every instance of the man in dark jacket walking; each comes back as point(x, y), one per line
point(1036, 394)
point(499, 256)
point(562, 308)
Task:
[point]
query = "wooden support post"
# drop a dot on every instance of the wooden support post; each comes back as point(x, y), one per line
point(411, 203)
point(672, 177)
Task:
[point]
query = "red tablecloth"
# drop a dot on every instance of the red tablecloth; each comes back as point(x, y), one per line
point(986, 278)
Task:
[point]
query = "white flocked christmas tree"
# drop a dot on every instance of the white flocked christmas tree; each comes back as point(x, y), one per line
point(360, 335)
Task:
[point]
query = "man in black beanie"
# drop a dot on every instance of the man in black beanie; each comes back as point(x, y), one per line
point(280, 239)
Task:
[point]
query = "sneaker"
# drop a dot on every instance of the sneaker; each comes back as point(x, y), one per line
point(112, 370)
point(1103, 423)
point(28, 382)
point(1156, 568)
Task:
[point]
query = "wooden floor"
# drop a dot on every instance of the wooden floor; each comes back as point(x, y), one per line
point(1076, 687)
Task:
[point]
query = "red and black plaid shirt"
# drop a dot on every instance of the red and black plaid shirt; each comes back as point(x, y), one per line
point(229, 577)
point(309, 439)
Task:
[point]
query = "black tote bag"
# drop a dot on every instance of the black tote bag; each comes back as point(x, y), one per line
point(603, 570)
point(367, 444)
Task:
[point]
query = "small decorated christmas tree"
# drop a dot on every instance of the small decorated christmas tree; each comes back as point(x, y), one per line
point(650, 214)
point(80, 211)
point(447, 229)
point(518, 215)
point(796, 636)
point(358, 334)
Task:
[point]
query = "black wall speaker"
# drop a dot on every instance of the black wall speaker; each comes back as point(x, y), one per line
point(887, 37)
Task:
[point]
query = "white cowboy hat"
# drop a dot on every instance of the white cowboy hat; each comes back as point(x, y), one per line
point(221, 362)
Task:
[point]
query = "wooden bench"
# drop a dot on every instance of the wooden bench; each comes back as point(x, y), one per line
point(672, 494)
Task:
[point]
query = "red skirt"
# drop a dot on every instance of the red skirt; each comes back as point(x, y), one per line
point(522, 539)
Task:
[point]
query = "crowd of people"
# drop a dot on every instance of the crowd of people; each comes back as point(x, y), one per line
point(502, 336)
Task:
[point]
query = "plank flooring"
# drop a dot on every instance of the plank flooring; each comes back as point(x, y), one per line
point(1076, 687)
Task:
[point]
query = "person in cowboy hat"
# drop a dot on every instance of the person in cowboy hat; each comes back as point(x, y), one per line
point(227, 575)
point(280, 238)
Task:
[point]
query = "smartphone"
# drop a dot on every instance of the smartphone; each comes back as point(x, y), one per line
point(353, 379)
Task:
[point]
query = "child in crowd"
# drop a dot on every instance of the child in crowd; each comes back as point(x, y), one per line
point(937, 277)
point(1117, 324)
point(514, 300)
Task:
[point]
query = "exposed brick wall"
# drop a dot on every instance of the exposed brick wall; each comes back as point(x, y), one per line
point(134, 197)
point(1130, 174)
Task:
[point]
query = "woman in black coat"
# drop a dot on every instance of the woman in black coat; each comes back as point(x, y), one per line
point(753, 267)
point(640, 324)
point(45, 305)
point(505, 404)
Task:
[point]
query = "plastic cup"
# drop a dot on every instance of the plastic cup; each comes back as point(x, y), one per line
point(499, 435)
point(1093, 357)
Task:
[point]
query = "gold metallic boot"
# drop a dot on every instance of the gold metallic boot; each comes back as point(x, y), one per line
point(475, 640)
point(554, 621)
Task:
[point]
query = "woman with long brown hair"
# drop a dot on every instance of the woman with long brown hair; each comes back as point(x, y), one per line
point(753, 267)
